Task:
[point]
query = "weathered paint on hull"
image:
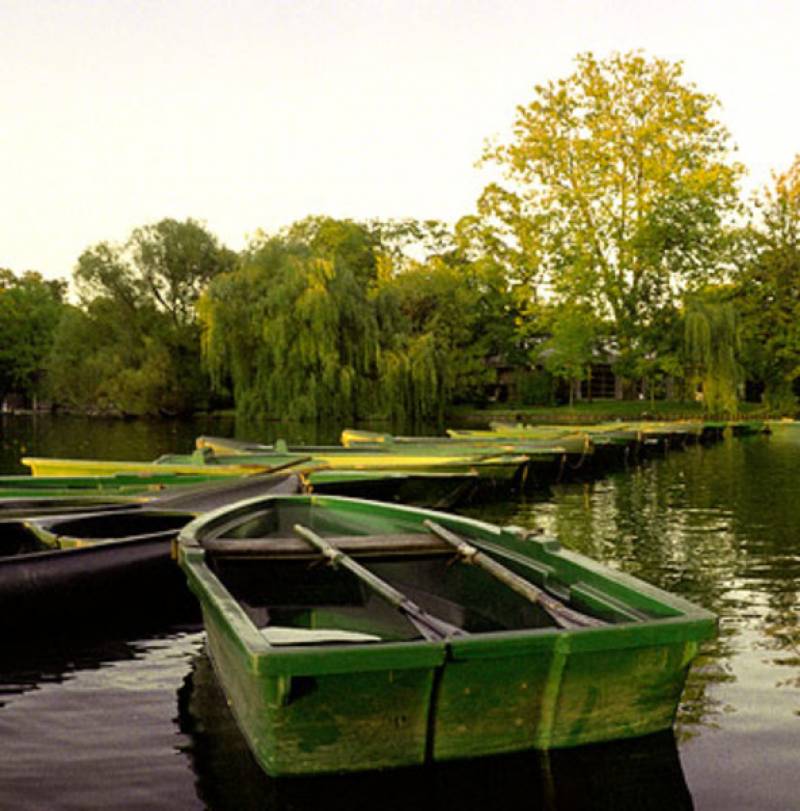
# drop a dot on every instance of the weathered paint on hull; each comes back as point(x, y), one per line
point(540, 695)
point(552, 696)
point(333, 722)
point(122, 484)
point(357, 707)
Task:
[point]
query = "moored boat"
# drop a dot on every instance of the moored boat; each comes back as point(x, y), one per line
point(21, 496)
point(494, 460)
point(75, 563)
point(187, 466)
point(498, 465)
point(599, 775)
point(429, 637)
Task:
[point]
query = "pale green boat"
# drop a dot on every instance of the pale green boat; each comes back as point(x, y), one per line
point(413, 646)
point(39, 495)
point(518, 462)
point(565, 441)
point(498, 466)
point(475, 440)
point(494, 464)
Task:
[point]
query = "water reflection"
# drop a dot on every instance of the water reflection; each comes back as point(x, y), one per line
point(85, 721)
point(719, 525)
point(68, 437)
point(28, 663)
point(73, 436)
point(639, 774)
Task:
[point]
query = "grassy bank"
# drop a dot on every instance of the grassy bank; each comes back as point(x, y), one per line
point(596, 411)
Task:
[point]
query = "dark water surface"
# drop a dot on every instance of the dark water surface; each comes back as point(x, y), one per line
point(132, 717)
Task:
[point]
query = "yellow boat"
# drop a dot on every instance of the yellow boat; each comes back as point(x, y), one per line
point(501, 466)
point(41, 466)
point(491, 461)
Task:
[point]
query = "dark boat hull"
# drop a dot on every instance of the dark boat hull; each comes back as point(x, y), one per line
point(98, 583)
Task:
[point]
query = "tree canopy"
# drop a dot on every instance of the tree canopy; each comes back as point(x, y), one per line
point(294, 327)
point(712, 348)
point(333, 319)
point(133, 346)
point(30, 308)
point(614, 231)
point(619, 180)
point(769, 288)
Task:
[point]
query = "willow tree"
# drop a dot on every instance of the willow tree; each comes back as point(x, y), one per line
point(294, 329)
point(712, 347)
point(618, 181)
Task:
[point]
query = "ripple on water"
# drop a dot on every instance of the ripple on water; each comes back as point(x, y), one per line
point(100, 736)
point(101, 726)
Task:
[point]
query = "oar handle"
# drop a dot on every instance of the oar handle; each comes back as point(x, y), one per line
point(285, 466)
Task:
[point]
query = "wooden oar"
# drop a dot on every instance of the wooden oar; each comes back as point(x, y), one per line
point(278, 468)
point(563, 615)
point(430, 627)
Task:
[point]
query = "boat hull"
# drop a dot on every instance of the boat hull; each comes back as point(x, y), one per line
point(354, 707)
point(52, 588)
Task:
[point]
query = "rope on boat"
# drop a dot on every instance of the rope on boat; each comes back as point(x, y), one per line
point(587, 443)
point(561, 468)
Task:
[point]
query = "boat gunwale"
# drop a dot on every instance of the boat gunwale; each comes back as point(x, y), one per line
point(688, 622)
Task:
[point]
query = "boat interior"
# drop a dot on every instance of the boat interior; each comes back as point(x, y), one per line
point(16, 538)
point(281, 581)
point(313, 595)
point(114, 523)
point(24, 536)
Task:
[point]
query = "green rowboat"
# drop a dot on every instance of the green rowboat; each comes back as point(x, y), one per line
point(427, 637)
point(494, 461)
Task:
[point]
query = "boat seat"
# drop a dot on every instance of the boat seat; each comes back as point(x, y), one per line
point(293, 547)
point(283, 635)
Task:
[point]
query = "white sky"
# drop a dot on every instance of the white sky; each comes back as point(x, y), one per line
point(254, 113)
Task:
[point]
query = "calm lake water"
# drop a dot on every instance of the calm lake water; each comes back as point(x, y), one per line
point(132, 717)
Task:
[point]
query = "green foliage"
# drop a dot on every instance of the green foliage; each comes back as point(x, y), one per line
point(569, 350)
point(615, 208)
point(295, 328)
point(536, 388)
point(768, 290)
point(175, 261)
point(619, 184)
point(712, 345)
point(30, 308)
point(133, 346)
point(454, 318)
point(326, 321)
